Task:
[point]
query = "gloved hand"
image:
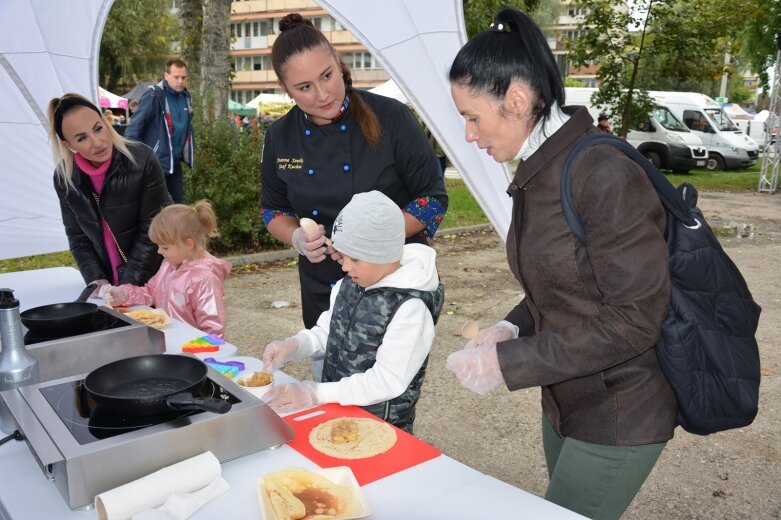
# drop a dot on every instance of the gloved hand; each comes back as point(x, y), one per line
point(113, 296)
point(279, 352)
point(99, 284)
point(292, 397)
point(335, 255)
point(477, 368)
point(311, 245)
point(502, 331)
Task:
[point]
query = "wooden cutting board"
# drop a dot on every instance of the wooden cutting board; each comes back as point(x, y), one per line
point(407, 452)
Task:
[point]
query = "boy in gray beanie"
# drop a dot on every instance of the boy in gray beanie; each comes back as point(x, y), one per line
point(379, 328)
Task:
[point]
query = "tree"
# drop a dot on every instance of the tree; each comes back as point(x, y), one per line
point(191, 21)
point(215, 58)
point(605, 38)
point(136, 41)
point(758, 37)
point(206, 49)
point(478, 14)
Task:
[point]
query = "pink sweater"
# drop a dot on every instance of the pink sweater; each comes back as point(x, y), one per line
point(97, 175)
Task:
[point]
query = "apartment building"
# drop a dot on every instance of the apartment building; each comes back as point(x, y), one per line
point(255, 26)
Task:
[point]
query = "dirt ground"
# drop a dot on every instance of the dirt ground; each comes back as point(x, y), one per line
point(729, 475)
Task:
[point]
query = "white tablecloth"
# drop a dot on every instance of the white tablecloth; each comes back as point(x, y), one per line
point(437, 489)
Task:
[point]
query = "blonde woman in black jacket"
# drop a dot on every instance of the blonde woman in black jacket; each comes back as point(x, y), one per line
point(109, 191)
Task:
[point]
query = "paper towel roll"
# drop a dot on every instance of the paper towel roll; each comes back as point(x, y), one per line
point(153, 490)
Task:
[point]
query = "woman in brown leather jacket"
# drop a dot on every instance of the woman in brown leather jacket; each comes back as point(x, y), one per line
point(607, 409)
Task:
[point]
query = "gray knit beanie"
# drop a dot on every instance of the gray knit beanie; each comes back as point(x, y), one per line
point(370, 228)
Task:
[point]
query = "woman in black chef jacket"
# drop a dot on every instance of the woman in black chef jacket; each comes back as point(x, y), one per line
point(338, 141)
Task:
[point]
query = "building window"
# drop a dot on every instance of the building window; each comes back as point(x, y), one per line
point(360, 60)
point(317, 22)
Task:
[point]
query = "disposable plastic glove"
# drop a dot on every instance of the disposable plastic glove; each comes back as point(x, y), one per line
point(477, 368)
point(502, 331)
point(99, 284)
point(311, 245)
point(292, 397)
point(113, 296)
point(279, 352)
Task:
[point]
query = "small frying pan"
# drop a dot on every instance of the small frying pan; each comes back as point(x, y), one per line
point(151, 384)
point(62, 318)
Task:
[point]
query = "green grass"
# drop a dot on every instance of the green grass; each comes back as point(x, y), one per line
point(462, 209)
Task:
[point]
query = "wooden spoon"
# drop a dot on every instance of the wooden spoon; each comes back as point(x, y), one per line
point(310, 226)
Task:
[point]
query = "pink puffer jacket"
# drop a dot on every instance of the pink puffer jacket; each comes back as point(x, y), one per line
point(193, 293)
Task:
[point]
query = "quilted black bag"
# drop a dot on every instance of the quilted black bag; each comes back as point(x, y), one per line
point(707, 349)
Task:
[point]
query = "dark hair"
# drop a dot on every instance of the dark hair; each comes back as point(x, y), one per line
point(602, 117)
point(513, 49)
point(176, 62)
point(63, 105)
point(297, 35)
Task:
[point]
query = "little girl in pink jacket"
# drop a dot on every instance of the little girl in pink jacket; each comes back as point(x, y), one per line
point(189, 286)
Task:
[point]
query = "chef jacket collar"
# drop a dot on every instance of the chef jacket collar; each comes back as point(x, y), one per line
point(342, 109)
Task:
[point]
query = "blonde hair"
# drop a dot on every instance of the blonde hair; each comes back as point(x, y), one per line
point(178, 222)
point(63, 157)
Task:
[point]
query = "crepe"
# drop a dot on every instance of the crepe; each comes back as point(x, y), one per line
point(298, 494)
point(154, 318)
point(257, 379)
point(353, 437)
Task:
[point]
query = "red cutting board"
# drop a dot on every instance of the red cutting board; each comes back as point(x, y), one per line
point(407, 452)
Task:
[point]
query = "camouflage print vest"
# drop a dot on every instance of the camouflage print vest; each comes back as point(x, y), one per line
point(359, 319)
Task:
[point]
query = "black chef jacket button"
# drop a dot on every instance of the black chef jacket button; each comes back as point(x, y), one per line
point(315, 213)
point(311, 171)
point(346, 167)
point(343, 128)
point(308, 132)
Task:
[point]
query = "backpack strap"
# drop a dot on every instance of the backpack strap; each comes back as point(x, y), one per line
point(668, 195)
point(670, 198)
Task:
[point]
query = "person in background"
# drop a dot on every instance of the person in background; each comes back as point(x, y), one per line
point(109, 190)
point(603, 124)
point(110, 117)
point(378, 331)
point(164, 122)
point(588, 342)
point(338, 141)
point(190, 283)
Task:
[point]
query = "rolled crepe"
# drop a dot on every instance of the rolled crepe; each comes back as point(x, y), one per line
point(153, 490)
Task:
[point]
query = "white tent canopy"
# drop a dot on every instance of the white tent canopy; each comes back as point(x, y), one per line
point(111, 100)
point(46, 49)
point(390, 89)
point(268, 99)
point(416, 42)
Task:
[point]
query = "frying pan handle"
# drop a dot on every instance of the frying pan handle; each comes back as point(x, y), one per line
point(185, 401)
point(86, 293)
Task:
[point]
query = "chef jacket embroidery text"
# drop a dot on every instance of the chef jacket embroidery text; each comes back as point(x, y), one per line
point(286, 163)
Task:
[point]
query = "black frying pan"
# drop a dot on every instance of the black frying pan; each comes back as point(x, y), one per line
point(62, 318)
point(151, 384)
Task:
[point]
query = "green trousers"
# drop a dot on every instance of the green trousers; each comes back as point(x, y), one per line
point(594, 480)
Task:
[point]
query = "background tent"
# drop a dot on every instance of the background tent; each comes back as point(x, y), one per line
point(416, 42)
point(270, 99)
point(390, 89)
point(110, 100)
point(137, 91)
point(242, 110)
point(735, 111)
point(46, 49)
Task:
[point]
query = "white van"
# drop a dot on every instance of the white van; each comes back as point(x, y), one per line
point(728, 147)
point(757, 130)
point(663, 139)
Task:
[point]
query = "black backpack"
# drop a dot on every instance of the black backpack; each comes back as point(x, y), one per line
point(707, 350)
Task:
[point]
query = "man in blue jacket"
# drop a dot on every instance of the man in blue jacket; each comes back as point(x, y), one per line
point(163, 121)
